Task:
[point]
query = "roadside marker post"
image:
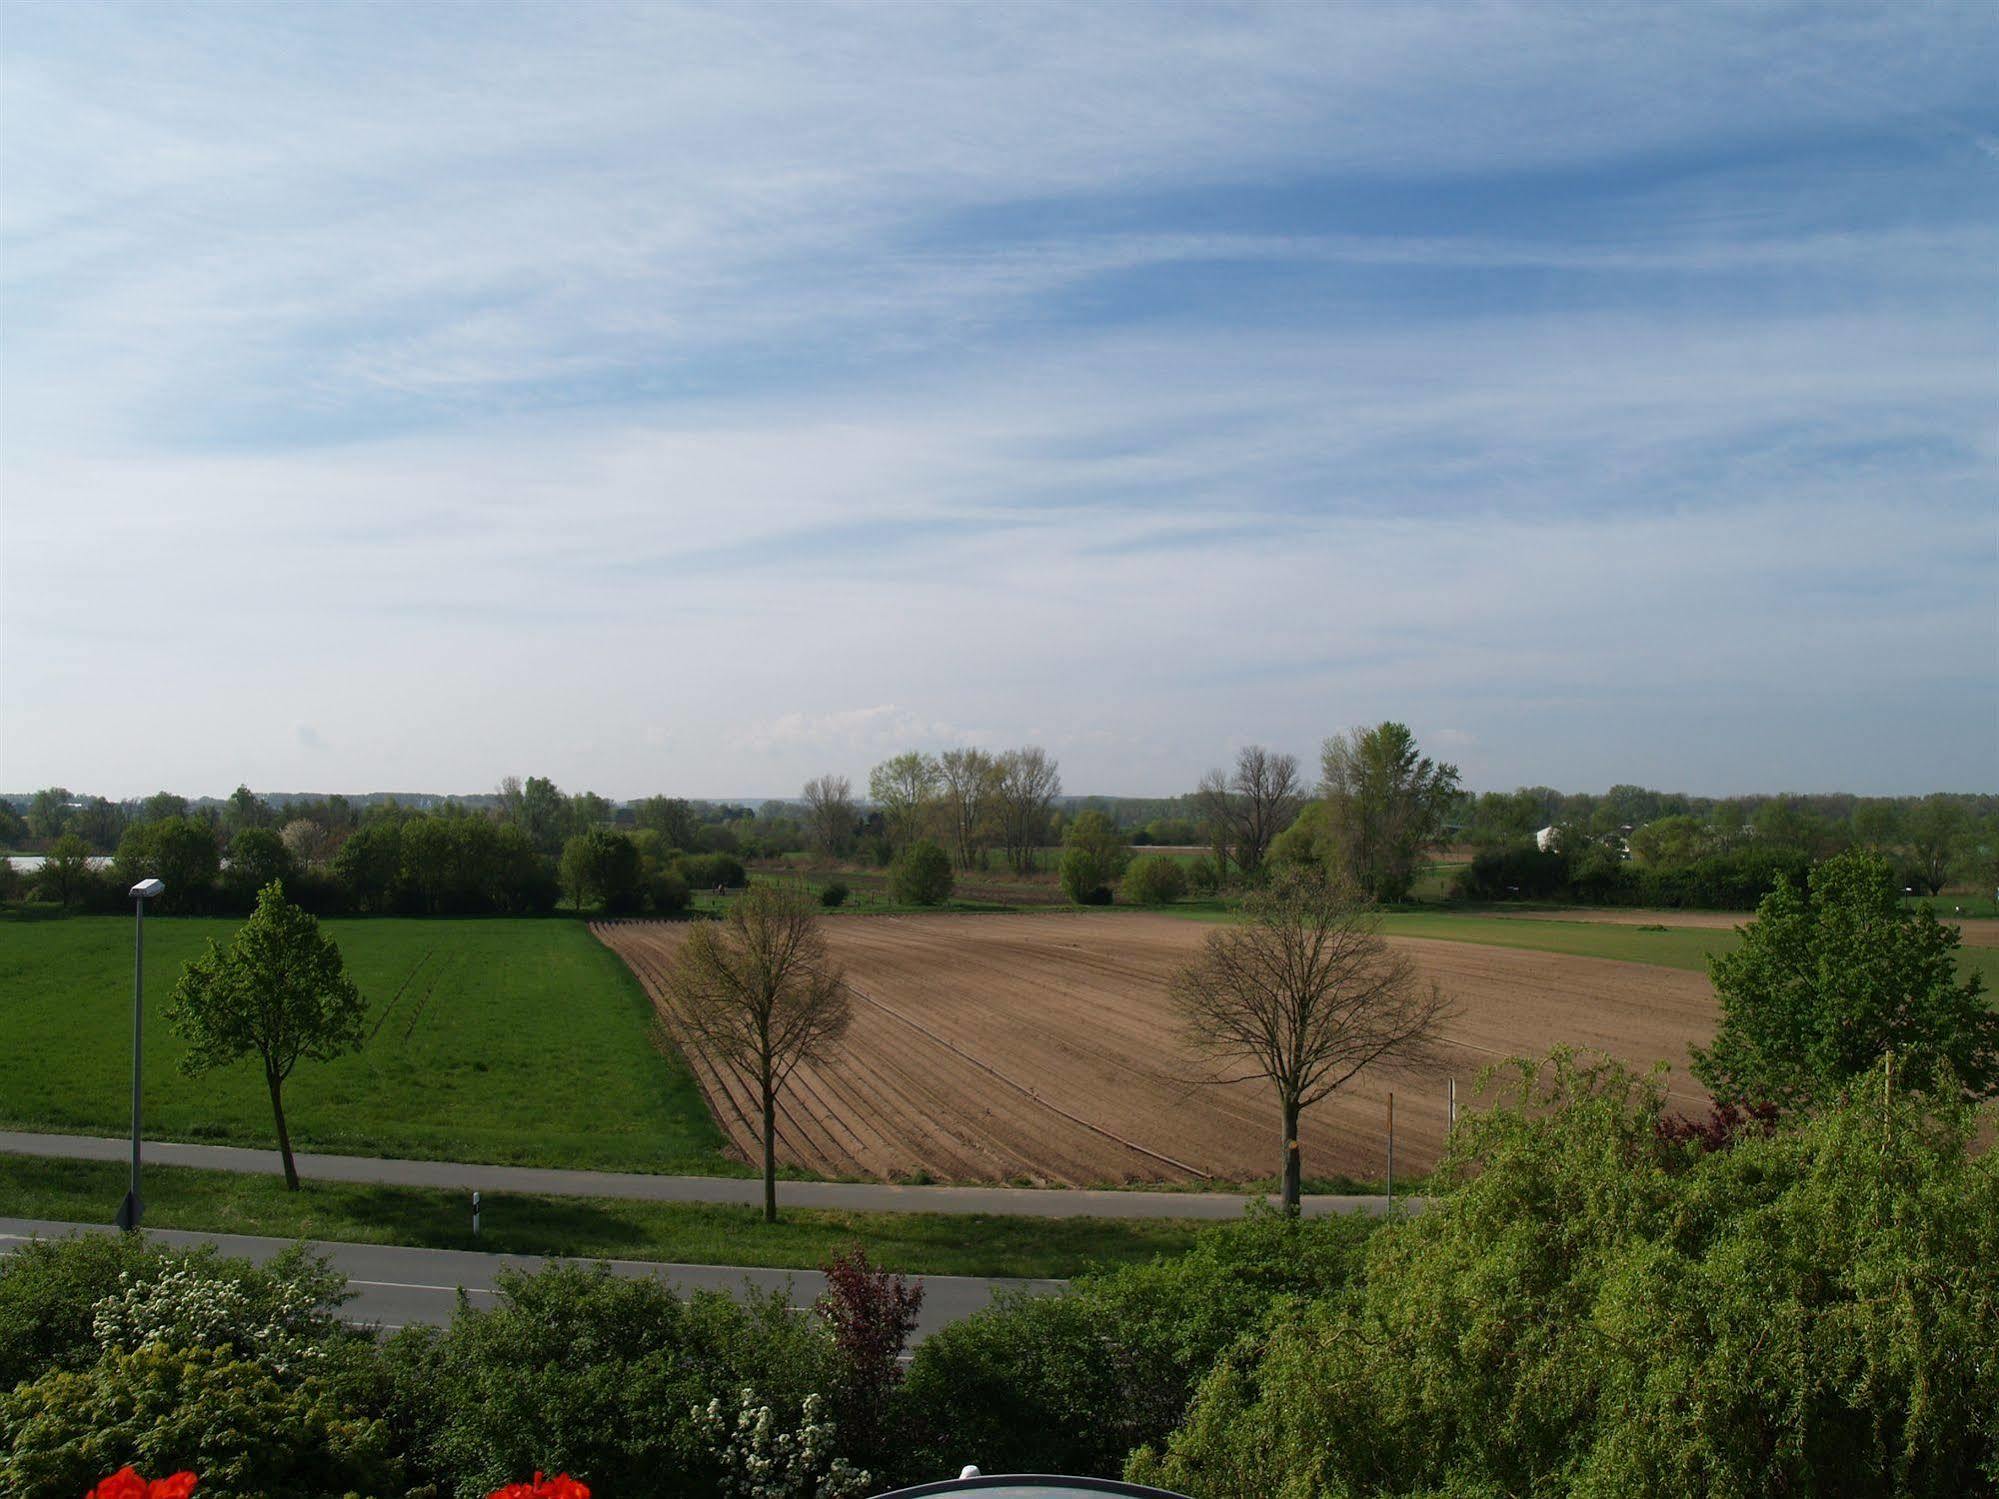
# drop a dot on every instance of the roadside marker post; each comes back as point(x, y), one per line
point(475, 1215)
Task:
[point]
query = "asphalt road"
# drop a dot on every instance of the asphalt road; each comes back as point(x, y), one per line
point(1029, 1202)
point(396, 1286)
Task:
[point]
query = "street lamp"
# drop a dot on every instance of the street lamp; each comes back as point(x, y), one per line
point(130, 1209)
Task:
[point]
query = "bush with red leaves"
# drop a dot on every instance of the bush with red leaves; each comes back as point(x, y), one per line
point(1724, 1125)
point(871, 1312)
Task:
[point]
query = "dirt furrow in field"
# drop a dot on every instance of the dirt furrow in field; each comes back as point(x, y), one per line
point(997, 1048)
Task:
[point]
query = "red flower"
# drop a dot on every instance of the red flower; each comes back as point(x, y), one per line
point(562, 1486)
point(126, 1484)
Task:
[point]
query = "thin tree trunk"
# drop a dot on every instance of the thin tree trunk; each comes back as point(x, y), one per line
point(1292, 1175)
point(770, 1152)
point(284, 1135)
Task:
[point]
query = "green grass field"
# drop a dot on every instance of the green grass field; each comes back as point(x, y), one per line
point(511, 1041)
point(682, 1233)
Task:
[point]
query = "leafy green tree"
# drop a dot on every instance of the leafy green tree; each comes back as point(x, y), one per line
point(1311, 844)
point(1934, 827)
point(48, 812)
point(257, 857)
point(603, 865)
point(670, 817)
point(65, 871)
point(10, 879)
point(544, 814)
point(246, 809)
point(98, 822)
point(1387, 804)
point(905, 790)
point(1671, 841)
point(279, 990)
point(1829, 981)
point(1590, 1309)
point(588, 810)
point(181, 851)
point(13, 826)
point(162, 805)
point(1093, 859)
point(920, 874)
point(1154, 880)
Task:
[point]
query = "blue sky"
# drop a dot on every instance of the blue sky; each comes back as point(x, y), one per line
point(697, 398)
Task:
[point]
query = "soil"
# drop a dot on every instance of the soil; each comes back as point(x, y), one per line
point(1040, 1049)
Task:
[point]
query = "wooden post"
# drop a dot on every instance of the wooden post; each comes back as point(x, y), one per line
point(1391, 1147)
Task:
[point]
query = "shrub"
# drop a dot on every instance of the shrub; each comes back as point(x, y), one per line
point(921, 875)
point(248, 1433)
point(1094, 857)
point(63, 1300)
point(1594, 1310)
point(1083, 878)
point(706, 871)
point(833, 893)
point(1154, 880)
point(581, 1371)
point(1072, 1384)
point(666, 892)
point(758, 1459)
point(49, 1289)
point(1204, 876)
point(870, 1313)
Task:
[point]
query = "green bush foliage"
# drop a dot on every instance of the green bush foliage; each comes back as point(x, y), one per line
point(1154, 880)
point(707, 871)
point(1831, 979)
point(1589, 871)
point(1093, 859)
point(833, 894)
point(580, 1371)
point(921, 875)
point(248, 1432)
point(1597, 1309)
point(1071, 1384)
point(666, 892)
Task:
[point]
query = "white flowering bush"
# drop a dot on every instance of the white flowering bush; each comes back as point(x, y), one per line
point(281, 1322)
point(759, 1460)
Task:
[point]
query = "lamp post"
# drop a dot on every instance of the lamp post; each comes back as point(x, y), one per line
point(130, 1209)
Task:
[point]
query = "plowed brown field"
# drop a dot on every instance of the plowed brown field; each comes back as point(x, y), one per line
point(1040, 1048)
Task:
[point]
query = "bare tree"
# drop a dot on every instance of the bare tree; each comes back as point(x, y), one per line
point(829, 812)
point(1305, 994)
point(1028, 784)
point(756, 994)
point(1251, 806)
point(970, 782)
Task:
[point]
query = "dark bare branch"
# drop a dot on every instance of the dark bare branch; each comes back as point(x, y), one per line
point(1305, 995)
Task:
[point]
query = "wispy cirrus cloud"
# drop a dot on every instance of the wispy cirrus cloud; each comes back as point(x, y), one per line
point(628, 393)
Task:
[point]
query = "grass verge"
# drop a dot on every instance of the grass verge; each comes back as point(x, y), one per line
point(589, 1227)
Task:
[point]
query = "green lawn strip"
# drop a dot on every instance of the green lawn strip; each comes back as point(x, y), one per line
point(589, 1227)
point(519, 1041)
